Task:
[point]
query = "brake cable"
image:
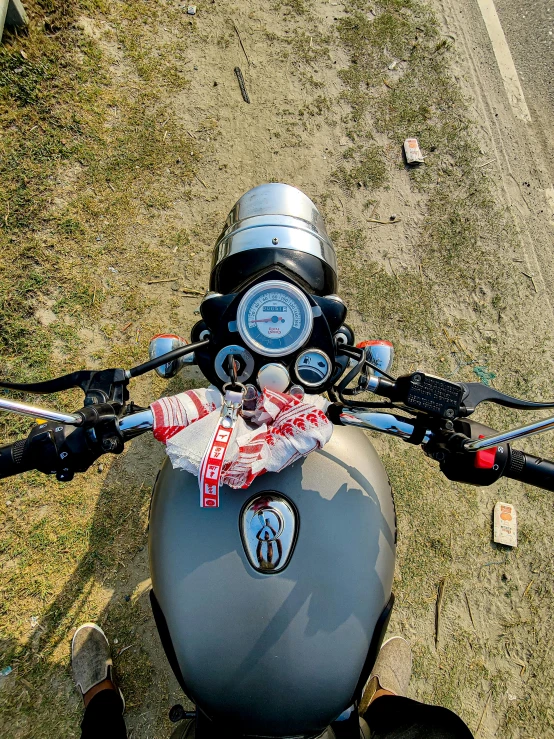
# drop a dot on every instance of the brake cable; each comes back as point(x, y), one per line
point(354, 372)
point(350, 352)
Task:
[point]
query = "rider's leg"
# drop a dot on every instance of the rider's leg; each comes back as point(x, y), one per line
point(393, 716)
point(103, 717)
point(93, 672)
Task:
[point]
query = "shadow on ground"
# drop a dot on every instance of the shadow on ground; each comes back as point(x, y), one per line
point(109, 585)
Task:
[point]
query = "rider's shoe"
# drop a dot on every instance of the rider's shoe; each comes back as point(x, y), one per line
point(91, 660)
point(391, 671)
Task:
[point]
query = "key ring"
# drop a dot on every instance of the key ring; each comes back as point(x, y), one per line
point(232, 386)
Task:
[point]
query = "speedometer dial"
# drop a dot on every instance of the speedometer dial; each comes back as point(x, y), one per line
point(274, 318)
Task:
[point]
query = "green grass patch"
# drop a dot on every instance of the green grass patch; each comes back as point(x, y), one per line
point(365, 167)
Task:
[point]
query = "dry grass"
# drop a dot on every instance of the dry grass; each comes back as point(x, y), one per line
point(452, 287)
point(85, 161)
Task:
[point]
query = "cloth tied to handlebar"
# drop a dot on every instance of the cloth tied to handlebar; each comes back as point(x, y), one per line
point(281, 430)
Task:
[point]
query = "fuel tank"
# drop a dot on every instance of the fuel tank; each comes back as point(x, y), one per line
point(271, 601)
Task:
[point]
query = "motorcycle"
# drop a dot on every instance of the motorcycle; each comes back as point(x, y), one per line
point(272, 601)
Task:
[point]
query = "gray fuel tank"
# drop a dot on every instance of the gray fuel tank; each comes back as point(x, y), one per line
point(277, 654)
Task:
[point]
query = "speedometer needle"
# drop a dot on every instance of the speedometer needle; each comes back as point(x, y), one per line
point(267, 320)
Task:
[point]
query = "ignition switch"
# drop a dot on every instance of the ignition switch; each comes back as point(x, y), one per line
point(243, 358)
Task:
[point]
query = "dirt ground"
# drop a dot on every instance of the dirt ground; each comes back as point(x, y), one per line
point(157, 146)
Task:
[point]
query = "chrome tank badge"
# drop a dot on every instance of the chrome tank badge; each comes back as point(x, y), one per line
point(268, 528)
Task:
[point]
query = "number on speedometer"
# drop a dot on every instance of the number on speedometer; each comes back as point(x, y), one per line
point(274, 318)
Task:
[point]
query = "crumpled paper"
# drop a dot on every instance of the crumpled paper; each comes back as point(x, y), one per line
point(282, 429)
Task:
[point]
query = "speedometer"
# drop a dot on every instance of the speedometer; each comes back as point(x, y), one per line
point(274, 318)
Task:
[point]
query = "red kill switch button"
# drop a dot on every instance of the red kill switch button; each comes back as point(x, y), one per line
point(484, 459)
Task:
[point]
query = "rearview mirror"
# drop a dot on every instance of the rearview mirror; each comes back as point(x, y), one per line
point(164, 343)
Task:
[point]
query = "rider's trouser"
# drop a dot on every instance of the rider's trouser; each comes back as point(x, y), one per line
point(103, 717)
point(393, 717)
point(389, 717)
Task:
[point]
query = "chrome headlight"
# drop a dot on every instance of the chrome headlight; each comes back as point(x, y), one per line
point(274, 225)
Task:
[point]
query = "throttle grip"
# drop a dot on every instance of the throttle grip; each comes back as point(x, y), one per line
point(531, 470)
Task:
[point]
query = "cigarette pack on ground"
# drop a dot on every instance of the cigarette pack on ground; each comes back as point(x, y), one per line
point(505, 524)
point(413, 152)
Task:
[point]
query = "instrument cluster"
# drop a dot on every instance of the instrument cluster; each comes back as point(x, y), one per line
point(278, 335)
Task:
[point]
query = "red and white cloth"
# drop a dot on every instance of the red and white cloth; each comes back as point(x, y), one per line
point(281, 430)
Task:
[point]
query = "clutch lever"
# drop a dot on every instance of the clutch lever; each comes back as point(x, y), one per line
point(99, 386)
point(475, 393)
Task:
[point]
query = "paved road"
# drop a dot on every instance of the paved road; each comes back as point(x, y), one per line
point(529, 29)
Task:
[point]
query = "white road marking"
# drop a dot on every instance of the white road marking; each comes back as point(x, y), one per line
point(549, 194)
point(504, 60)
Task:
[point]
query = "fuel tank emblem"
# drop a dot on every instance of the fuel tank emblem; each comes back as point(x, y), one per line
point(268, 528)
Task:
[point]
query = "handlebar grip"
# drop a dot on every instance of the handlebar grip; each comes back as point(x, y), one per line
point(531, 470)
point(12, 459)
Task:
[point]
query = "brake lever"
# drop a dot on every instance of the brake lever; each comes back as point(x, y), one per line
point(475, 393)
point(447, 399)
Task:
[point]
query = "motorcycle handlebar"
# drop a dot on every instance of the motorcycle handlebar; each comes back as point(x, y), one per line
point(136, 423)
point(524, 467)
point(386, 423)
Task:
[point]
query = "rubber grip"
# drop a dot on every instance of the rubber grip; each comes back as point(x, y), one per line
point(12, 459)
point(531, 470)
